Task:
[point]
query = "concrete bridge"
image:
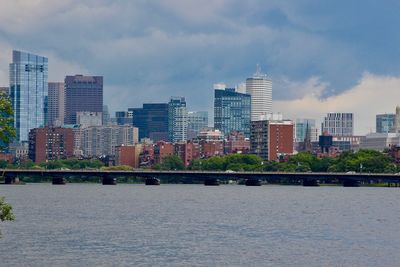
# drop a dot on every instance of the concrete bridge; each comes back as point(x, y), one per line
point(208, 177)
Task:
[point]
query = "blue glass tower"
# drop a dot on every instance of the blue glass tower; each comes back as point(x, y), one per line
point(232, 111)
point(28, 92)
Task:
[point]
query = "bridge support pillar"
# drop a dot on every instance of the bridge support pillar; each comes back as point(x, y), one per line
point(351, 183)
point(310, 182)
point(253, 182)
point(108, 180)
point(59, 180)
point(211, 182)
point(152, 181)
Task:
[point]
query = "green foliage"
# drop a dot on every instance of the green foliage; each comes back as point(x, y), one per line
point(233, 162)
point(3, 164)
point(73, 164)
point(170, 163)
point(6, 213)
point(117, 168)
point(7, 131)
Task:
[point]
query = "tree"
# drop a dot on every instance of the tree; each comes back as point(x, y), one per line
point(6, 213)
point(171, 163)
point(7, 131)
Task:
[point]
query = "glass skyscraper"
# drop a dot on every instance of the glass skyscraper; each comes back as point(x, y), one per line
point(385, 123)
point(232, 111)
point(197, 120)
point(28, 92)
point(152, 121)
point(177, 119)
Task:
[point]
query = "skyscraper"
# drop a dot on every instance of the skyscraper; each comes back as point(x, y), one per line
point(385, 123)
point(177, 119)
point(338, 124)
point(232, 111)
point(28, 92)
point(197, 120)
point(301, 128)
point(82, 93)
point(260, 88)
point(152, 121)
point(56, 107)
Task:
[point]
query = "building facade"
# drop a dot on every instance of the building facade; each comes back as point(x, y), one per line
point(272, 140)
point(197, 120)
point(232, 111)
point(56, 104)
point(385, 123)
point(260, 88)
point(28, 92)
point(128, 155)
point(86, 119)
point(50, 143)
point(101, 140)
point(338, 124)
point(82, 93)
point(152, 121)
point(177, 119)
point(302, 126)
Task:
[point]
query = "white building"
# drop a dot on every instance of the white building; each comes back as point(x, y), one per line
point(379, 141)
point(260, 88)
point(177, 119)
point(86, 119)
point(338, 124)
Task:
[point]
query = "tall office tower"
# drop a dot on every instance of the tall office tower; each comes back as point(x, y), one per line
point(397, 120)
point(385, 123)
point(124, 117)
point(338, 124)
point(177, 119)
point(301, 128)
point(152, 121)
point(197, 120)
point(28, 92)
point(5, 90)
point(106, 115)
point(232, 111)
point(260, 88)
point(56, 104)
point(82, 93)
point(271, 140)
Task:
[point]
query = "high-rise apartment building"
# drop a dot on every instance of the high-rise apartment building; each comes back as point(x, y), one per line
point(232, 111)
point(152, 121)
point(338, 124)
point(271, 140)
point(197, 120)
point(177, 119)
point(82, 93)
point(56, 104)
point(50, 143)
point(385, 123)
point(28, 92)
point(102, 140)
point(260, 88)
point(86, 119)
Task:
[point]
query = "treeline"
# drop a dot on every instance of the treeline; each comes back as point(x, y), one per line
point(368, 161)
point(72, 164)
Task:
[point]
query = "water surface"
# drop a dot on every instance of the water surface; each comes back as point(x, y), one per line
point(194, 225)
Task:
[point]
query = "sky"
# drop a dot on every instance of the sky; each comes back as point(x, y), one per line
point(323, 56)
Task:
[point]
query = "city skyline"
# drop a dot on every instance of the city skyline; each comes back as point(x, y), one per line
point(314, 52)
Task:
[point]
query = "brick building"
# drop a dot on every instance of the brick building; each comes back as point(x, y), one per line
point(50, 143)
point(271, 140)
point(236, 142)
point(161, 150)
point(128, 155)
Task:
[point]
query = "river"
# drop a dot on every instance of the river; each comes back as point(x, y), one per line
point(195, 225)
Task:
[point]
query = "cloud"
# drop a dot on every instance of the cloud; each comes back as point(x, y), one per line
point(372, 95)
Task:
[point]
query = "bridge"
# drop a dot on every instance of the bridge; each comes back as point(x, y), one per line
point(208, 177)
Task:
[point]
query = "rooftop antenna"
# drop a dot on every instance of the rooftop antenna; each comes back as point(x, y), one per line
point(258, 70)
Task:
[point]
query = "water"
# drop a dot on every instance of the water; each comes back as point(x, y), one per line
point(194, 225)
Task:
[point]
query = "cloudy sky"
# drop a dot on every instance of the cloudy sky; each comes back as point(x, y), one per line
point(322, 55)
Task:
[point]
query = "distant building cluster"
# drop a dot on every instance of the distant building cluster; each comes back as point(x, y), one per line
point(69, 119)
